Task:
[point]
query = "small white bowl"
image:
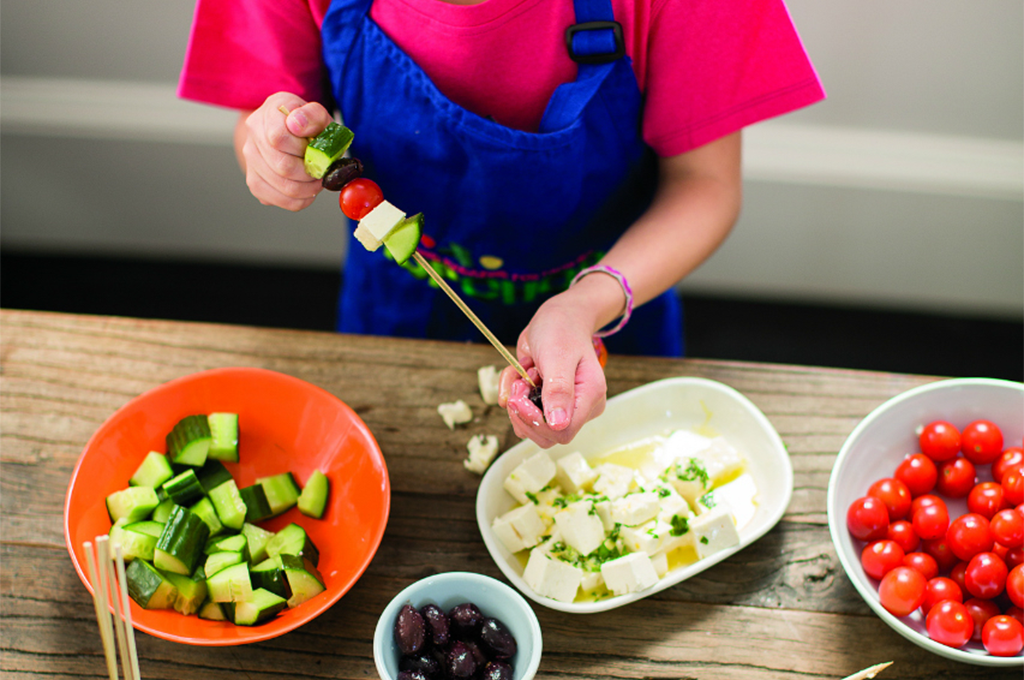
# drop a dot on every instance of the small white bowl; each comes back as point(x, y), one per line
point(693, 404)
point(874, 449)
point(495, 600)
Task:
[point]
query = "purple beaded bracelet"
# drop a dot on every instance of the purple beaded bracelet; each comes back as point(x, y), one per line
point(617, 275)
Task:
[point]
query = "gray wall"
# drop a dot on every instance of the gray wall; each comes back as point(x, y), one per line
point(905, 189)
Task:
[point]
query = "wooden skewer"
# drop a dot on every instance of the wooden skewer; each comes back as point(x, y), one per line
point(133, 653)
point(102, 613)
point(439, 280)
point(107, 565)
point(868, 673)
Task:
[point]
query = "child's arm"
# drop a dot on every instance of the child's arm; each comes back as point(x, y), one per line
point(696, 205)
point(270, 148)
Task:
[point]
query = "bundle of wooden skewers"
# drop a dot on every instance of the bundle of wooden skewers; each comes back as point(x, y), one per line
point(113, 611)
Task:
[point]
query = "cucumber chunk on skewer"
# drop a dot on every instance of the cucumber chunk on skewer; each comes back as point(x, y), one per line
point(325, 148)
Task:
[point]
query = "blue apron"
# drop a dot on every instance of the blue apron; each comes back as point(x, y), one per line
point(510, 216)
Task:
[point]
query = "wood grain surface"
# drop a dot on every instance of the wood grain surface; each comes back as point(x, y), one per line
point(781, 608)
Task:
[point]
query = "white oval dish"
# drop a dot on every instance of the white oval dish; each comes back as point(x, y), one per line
point(875, 448)
point(649, 410)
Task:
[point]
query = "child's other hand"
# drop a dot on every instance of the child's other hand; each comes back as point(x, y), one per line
point(558, 352)
point(271, 146)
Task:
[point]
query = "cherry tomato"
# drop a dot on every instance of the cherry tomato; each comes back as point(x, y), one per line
point(1013, 486)
point(957, 573)
point(1009, 459)
point(924, 501)
point(940, 588)
point(986, 499)
point(981, 442)
point(985, 576)
point(939, 550)
point(1015, 586)
point(1016, 612)
point(923, 562)
point(894, 494)
point(902, 590)
point(1003, 636)
point(981, 611)
point(1014, 556)
point(918, 472)
point(902, 532)
point(359, 197)
point(956, 477)
point(939, 440)
point(881, 557)
point(867, 519)
point(969, 535)
point(950, 623)
point(1008, 528)
point(931, 521)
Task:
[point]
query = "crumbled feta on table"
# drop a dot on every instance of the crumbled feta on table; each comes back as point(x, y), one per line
point(455, 413)
point(482, 449)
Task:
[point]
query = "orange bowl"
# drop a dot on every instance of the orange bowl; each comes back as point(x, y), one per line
point(285, 424)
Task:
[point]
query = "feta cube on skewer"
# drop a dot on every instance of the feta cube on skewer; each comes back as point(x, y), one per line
point(377, 224)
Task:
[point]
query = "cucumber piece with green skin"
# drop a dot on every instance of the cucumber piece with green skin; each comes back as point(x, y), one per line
point(132, 504)
point(304, 581)
point(180, 545)
point(184, 489)
point(404, 239)
point(235, 542)
point(148, 587)
point(188, 443)
point(154, 470)
point(204, 508)
point(293, 540)
point(282, 491)
point(325, 148)
point(191, 592)
point(138, 539)
point(269, 574)
point(230, 507)
point(222, 560)
point(262, 606)
point(257, 538)
point(256, 504)
point(313, 498)
point(162, 511)
point(213, 474)
point(223, 436)
point(212, 611)
point(231, 584)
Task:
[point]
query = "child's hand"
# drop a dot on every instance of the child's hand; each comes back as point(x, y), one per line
point(271, 146)
point(558, 352)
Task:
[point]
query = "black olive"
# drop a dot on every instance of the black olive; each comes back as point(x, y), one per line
point(413, 675)
point(465, 619)
point(497, 670)
point(425, 663)
point(410, 631)
point(341, 172)
point(461, 662)
point(497, 639)
point(437, 624)
point(535, 398)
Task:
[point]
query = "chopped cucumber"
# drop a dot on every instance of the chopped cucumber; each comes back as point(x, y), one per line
point(229, 505)
point(132, 504)
point(191, 592)
point(231, 584)
point(263, 605)
point(138, 539)
point(189, 442)
point(184, 489)
point(212, 611)
point(313, 498)
point(257, 508)
point(222, 560)
point(163, 511)
point(293, 540)
point(154, 471)
point(181, 542)
point(223, 436)
point(213, 474)
point(204, 508)
point(236, 542)
point(148, 587)
point(282, 491)
point(325, 148)
point(270, 574)
point(304, 580)
point(257, 538)
point(403, 239)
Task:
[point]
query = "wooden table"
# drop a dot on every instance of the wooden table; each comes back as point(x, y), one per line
point(781, 608)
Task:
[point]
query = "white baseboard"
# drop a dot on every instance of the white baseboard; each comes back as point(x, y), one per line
point(773, 151)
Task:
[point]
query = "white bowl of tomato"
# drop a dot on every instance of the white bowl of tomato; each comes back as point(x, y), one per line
point(926, 511)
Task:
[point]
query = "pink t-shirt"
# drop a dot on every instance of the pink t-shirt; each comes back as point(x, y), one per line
point(706, 67)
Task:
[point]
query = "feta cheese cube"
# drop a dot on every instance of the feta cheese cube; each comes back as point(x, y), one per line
point(613, 481)
point(545, 504)
point(670, 503)
point(660, 562)
point(580, 526)
point(629, 573)
point(552, 578)
point(574, 474)
point(645, 538)
point(519, 528)
point(684, 444)
point(482, 450)
point(721, 460)
point(377, 224)
point(592, 580)
point(741, 496)
point(530, 476)
point(487, 378)
point(604, 513)
point(455, 413)
point(713, 531)
point(689, 477)
point(635, 508)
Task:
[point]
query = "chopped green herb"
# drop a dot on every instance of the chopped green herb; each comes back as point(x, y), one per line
point(663, 492)
point(704, 540)
point(532, 496)
point(708, 500)
point(680, 525)
point(694, 472)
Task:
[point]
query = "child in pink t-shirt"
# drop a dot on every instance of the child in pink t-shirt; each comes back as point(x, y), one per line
point(503, 107)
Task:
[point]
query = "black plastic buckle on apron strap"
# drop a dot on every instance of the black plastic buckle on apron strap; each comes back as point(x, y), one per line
point(607, 57)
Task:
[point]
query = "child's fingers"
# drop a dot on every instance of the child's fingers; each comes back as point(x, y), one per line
point(308, 120)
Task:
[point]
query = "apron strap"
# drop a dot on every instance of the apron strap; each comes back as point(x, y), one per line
point(595, 42)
